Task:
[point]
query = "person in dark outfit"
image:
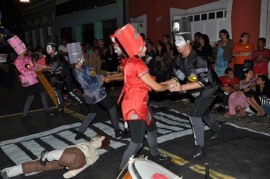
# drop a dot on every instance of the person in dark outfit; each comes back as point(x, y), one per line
point(200, 78)
point(94, 94)
point(60, 69)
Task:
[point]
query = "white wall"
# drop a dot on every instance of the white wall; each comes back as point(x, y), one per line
point(211, 27)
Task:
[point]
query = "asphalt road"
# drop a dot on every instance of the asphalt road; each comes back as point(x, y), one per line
point(242, 154)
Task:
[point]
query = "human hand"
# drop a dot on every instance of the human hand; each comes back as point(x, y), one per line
point(169, 82)
point(107, 79)
point(175, 87)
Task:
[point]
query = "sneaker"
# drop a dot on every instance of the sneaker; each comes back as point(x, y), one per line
point(121, 135)
point(60, 109)
point(26, 118)
point(4, 174)
point(49, 114)
point(160, 158)
point(199, 152)
point(41, 160)
point(217, 136)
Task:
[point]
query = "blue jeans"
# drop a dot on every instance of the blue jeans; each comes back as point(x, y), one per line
point(266, 108)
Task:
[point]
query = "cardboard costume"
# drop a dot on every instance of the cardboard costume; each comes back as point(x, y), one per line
point(193, 68)
point(135, 99)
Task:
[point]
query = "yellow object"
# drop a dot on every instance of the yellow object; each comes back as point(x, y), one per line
point(192, 78)
point(93, 73)
point(47, 87)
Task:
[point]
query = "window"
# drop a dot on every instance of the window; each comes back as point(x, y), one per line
point(197, 18)
point(204, 17)
point(212, 15)
point(190, 18)
point(220, 14)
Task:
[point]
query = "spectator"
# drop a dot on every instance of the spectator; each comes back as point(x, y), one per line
point(88, 48)
point(263, 86)
point(95, 61)
point(205, 49)
point(160, 66)
point(229, 83)
point(242, 51)
point(261, 58)
point(237, 101)
point(196, 43)
point(167, 42)
point(85, 54)
point(247, 85)
point(150, 52)
point(112, 61)
point(62, 49)
point(223, 52)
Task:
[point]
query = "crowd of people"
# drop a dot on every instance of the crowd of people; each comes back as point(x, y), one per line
point(234, 75)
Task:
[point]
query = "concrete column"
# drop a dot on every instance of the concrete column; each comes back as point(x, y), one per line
point(98, 30)
point(77, 33)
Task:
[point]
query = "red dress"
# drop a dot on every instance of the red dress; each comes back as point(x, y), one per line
point(134, 104)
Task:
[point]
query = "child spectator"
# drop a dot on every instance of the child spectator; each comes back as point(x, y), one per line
point(261, 58)
point(237, 101)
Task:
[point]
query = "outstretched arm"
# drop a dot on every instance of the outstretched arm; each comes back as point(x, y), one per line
point(114, 77)
point(148, 79)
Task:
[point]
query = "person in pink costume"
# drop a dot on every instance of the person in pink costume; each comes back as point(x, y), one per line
point(29, 82)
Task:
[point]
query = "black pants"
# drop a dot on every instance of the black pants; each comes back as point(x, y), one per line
point(137, 131)
point(105, 103)
point(201, 112)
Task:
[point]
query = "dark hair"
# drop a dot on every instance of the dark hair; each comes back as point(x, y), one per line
point(262, 39)
point(247, 70)
point(142, 35)
point(205, 38)
point(166, 35)
point(54, 45)
point(198, 34)
point(224, 31)
point(242, 35)
point(228, 70)
point(265, 79)
point(163, 48)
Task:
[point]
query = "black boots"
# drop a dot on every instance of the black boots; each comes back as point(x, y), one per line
point(26, 118)
point(159, 159)
point(79, 135)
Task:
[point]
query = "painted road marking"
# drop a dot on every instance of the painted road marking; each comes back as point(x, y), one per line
point(196, 168)
point(60, 137)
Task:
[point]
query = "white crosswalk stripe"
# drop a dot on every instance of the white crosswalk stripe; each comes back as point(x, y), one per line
point(170, 126)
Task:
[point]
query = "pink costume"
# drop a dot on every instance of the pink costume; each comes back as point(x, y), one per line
point(26, 67)
point(237, 99)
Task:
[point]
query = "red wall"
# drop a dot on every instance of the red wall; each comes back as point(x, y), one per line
point(245, 16)
point(160, 8)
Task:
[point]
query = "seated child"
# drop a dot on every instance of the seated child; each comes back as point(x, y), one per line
point(237, 101)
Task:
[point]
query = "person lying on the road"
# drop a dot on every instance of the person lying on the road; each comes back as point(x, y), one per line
point(75, 158)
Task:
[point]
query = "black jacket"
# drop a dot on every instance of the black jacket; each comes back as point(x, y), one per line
point(198, 65)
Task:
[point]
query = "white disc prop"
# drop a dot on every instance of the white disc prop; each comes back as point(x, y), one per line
point(141, 168)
